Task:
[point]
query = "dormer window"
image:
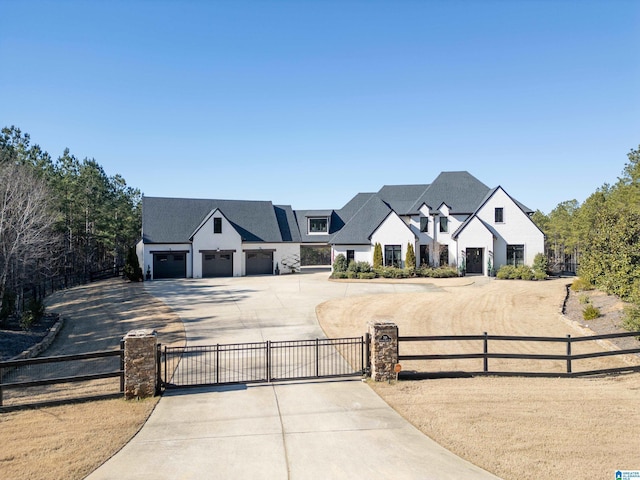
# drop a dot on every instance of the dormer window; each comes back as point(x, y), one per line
point(499, 215)
point(318, 225)
point(424, 224)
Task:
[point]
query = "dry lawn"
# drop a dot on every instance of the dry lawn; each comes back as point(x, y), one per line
point(516, 428)
point(68, 442)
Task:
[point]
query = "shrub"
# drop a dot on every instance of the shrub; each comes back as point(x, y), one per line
point(631, 320)
point(540, 266)
point(393, 272)
point(339, 275)
point(590, 312)
point(366, 275)
point(539, 275)
point(132, 268)
point(26, 320)
point(580, 285)
point(583, 298)
point(509, 272)
point(363, 267)
point(506, 272)
point(440, 272)
point(340, 263)
point(524, 272)
point(33, 313)
point(351, 274)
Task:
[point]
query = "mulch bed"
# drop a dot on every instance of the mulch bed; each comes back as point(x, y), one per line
point(14, 340)
point(610, 319)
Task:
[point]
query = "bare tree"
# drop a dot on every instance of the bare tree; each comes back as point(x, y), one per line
point(27, 241)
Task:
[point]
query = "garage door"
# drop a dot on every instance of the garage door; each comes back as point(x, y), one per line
point(259, 263)
point(169, 265)
point(217, 264)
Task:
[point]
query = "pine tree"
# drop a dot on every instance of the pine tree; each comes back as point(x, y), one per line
point(410, 258)
point(377, 255)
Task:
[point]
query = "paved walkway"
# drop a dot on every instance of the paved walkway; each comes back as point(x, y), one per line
point(296, 430)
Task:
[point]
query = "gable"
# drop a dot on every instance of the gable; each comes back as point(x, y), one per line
point(363, 223)
point(174, 220)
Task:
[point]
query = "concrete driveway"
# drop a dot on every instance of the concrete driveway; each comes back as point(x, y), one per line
point(295, 430)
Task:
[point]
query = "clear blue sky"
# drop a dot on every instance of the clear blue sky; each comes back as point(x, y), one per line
point(309, 102)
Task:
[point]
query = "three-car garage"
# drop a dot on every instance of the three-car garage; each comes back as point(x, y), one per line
point(214, 263)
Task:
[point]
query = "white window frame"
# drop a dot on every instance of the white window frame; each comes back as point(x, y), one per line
point(326, 231)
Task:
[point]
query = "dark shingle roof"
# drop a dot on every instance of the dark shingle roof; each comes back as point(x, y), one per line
point(353, 205)
point(335, 224)
point(402, 197)
point(460, 191)
point(360, 227)
point(174, 220)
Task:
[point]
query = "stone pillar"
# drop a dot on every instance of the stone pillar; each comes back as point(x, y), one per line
point(140, 373)
point(384, 350)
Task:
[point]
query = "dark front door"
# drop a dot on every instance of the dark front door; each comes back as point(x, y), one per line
point(217, 264)
point(474, 260)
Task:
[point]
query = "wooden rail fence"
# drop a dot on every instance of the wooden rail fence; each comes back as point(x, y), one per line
point(569, 357)
point(61, 369)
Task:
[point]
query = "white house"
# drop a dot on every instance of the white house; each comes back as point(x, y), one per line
point(213, 238)
point(456, 220)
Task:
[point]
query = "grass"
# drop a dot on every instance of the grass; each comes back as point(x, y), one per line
point(69, 441)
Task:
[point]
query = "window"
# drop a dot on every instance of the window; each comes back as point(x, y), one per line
point(515, 255)
point(318, 225)
point(444, 255)
point(444, 224)
point(217, 225)
point(499, 215)
point(424, 224)
point(393, 256)
point(351, 256)
point(424, 255)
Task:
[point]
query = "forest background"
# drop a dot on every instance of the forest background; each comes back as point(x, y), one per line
point(66, 216)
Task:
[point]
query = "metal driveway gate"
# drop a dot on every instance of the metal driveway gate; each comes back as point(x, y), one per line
point(264, 361)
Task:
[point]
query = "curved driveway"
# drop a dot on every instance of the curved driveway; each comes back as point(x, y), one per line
point(295, 430)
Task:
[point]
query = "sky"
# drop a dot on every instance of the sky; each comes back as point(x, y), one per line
point(306, 103)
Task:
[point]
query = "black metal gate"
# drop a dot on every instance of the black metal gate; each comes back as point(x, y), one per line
point(264, 361)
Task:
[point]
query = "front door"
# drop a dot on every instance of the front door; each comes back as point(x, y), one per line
point(474, 260)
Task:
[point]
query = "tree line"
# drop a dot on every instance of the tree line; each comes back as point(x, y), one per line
point(61, 216)
point(601, 235)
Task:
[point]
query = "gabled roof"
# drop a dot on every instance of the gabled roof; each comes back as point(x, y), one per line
point(402, 198)
point(360, 227)
point(353, 205)
point(489, 194)
point(173, 220)
point(461, 191)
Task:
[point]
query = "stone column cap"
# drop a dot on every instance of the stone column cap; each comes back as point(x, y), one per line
point(382, 323)
point(143, 332)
